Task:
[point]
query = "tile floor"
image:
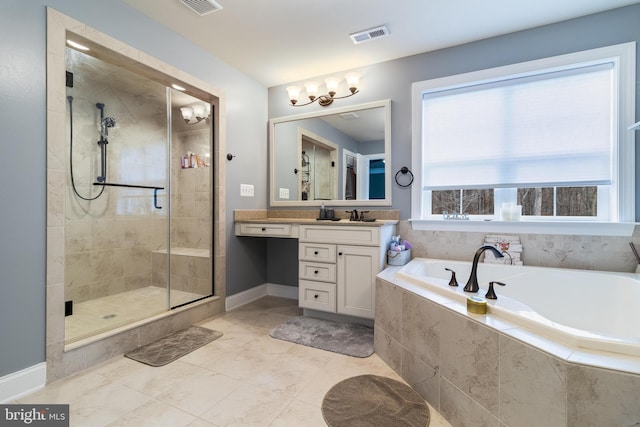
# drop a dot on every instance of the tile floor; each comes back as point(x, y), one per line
point(245, 378)
point(110, 312)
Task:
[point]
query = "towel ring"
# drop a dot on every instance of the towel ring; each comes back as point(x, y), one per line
point(404, 170)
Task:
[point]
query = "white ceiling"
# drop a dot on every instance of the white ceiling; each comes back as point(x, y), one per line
point(280, 41)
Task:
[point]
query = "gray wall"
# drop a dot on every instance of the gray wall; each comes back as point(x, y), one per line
point(23, 153)
point(393, 79)
point(23, 134)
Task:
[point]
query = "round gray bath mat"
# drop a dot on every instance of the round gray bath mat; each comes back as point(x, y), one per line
point(374, 401)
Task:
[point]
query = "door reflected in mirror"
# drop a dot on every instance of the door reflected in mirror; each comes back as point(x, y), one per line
point(340, 156)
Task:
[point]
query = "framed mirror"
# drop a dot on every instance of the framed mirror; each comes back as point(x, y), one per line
point(339, 157)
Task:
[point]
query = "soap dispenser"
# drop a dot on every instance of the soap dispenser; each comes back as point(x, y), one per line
point(323, 212)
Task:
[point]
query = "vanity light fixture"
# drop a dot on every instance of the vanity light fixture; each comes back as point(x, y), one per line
point(332, 84)
point(195, 113)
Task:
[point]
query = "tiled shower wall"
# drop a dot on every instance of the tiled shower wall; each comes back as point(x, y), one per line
point(109, 241)
point(191, 204)
point(61, 360)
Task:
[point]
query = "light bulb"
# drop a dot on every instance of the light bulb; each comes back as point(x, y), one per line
point(352, 81)
point(198, 111)
point(187, 113)
point(312, 89)
point(294, 93)
point(332, 85)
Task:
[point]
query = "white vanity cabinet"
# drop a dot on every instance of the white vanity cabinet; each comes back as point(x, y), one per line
point(338, 267)
point(266, 230)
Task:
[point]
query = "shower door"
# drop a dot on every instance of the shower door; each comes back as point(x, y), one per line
point(191, 220)
point(124, 179)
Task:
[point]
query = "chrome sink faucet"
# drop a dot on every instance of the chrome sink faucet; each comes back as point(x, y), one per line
point(472, 283)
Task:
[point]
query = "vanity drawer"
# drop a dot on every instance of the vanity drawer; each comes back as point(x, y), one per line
point(316, 295)
point(317, 271)
point(348, 235)
point(317, 252)
point(264, 229)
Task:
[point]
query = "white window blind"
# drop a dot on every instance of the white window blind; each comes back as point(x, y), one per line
point(548, 129)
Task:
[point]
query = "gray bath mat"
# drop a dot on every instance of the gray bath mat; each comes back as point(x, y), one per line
point(174, 346)
point(345, 338)
point(371, 400)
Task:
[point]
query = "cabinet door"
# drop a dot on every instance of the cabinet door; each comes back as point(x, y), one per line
point(357, 269)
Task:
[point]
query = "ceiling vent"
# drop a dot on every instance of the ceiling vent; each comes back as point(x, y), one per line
point(370, 34)
point(202, 7)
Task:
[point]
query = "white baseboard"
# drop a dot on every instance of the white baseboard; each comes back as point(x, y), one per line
point(257, 292)
point(283, 291)
point(23, 382)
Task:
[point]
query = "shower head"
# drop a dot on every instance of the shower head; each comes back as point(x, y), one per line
point(107, 122)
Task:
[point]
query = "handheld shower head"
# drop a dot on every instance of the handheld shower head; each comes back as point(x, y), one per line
point(107, 122)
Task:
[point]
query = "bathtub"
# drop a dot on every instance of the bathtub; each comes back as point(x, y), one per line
point(592, 310)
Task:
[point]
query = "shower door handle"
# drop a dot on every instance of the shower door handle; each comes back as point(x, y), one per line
point(155, 198)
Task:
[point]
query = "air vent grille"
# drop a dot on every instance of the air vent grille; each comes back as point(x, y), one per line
point(370, 34)
point(202, 7)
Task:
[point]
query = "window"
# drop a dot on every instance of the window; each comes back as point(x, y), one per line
point(549, 135)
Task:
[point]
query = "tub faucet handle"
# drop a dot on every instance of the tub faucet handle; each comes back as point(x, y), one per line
point(453, 281)
point(491, 294)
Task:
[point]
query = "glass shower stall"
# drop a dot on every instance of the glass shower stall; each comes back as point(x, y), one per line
point(138, 197)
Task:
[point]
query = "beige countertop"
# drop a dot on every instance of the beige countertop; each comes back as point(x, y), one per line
point(383, 217)
point(377, 222)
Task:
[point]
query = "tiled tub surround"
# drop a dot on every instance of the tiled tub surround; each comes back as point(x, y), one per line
point(548, 301)
point(480, 370)
point(594, 252)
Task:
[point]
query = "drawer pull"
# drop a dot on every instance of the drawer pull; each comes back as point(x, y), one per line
point(316, 296)
point(315, 253)
point(340, 253)
point(315, 272)
point(264, 229)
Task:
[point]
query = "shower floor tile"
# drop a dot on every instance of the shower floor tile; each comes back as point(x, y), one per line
point(103, 314)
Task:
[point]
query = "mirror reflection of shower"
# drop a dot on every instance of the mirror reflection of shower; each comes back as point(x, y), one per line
point(317, 163)
point(306, 176)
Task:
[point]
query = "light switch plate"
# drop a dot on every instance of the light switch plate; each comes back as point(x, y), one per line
point(246, 190)
point(284, 193)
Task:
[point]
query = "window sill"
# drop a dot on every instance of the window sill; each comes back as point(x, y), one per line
point(539, 227)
